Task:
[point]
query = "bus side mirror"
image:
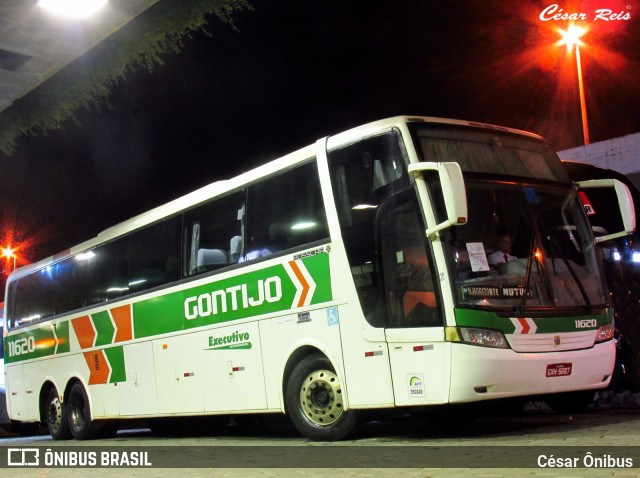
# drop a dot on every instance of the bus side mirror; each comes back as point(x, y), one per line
point(453, 191)
point(625, 204)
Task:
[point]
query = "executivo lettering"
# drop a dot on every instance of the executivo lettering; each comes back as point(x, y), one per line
point(235, 340)
point(233, 298)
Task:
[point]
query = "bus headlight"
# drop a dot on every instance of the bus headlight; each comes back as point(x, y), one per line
point(476, 336)
point(605, 333)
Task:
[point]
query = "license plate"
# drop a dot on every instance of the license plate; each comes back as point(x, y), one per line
point(558, 369)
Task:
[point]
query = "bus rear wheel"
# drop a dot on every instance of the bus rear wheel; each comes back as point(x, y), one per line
point(79, 413)
point(315, 401)
point(56, 416)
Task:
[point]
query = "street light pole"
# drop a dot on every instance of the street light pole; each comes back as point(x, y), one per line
point(571, 37)
point(583, 101)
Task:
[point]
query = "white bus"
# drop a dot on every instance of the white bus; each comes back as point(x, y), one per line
point(5, 422)
point(355, 274)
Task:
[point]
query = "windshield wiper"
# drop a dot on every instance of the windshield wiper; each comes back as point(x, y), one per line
point(527, 278)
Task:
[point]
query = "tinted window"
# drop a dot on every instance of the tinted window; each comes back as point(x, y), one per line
point(34, 297)
point(155, 255)
point(106, 271)
point(214, 234)
point(363, 174)
point(408, 271)
point(70, 285)
point(285, 211)
point(481, 151)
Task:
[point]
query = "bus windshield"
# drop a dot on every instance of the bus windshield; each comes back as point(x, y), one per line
point(525, 247)
point(527, 244)
point(489, 152)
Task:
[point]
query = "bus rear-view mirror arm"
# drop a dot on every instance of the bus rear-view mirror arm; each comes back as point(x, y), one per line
point(625, 203)
point(453, 191)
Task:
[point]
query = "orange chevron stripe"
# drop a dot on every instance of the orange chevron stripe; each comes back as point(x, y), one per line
point(122, 318)
point(99, 368)
point(84, 331)
point(303, 281)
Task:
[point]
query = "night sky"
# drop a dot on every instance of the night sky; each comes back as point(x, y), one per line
point(295, 71)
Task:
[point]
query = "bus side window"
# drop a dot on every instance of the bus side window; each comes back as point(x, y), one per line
point(213, 234)
point(33, 299)
point(155, 255)
point(363, 174)
point(284, 212)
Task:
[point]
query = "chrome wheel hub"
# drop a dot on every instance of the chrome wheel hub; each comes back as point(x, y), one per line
point(321, 397)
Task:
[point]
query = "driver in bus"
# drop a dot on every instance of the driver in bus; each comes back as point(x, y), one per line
point(502, 254)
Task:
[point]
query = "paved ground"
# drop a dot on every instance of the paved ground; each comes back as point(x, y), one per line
point(493, 441)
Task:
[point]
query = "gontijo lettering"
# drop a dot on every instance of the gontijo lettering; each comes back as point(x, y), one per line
point(235, 297)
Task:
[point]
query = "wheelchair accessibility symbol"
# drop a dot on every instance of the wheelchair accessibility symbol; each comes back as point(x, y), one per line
point(332, 316)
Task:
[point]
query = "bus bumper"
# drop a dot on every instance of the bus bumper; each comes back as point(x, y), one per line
point(481, 373)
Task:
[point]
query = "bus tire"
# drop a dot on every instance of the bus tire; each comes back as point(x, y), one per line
point(79, 413)
point(314, 401)
point(56, 416)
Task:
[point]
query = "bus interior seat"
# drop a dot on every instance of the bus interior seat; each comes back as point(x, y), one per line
point(235, 249)
point(210, 259)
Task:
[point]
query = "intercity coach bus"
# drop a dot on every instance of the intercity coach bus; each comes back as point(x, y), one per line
point(364, 272)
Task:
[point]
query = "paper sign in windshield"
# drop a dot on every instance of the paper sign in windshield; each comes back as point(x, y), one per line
point(477, 257)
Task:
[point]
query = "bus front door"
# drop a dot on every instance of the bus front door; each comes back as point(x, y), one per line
point(414, 325)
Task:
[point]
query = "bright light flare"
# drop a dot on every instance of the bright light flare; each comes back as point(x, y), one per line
point(8, 252)
point(571, 36)
point(77, 9)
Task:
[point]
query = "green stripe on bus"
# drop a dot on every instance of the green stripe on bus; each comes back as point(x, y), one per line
point(104, 328)
point(270, 290)
point(483, 319)
point(38, 342)
point(62, 332)
point(115, 356)
point(545, 325)
point(252, 294)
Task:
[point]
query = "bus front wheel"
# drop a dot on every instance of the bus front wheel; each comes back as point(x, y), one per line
point(56, 416)
point(315, 401)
